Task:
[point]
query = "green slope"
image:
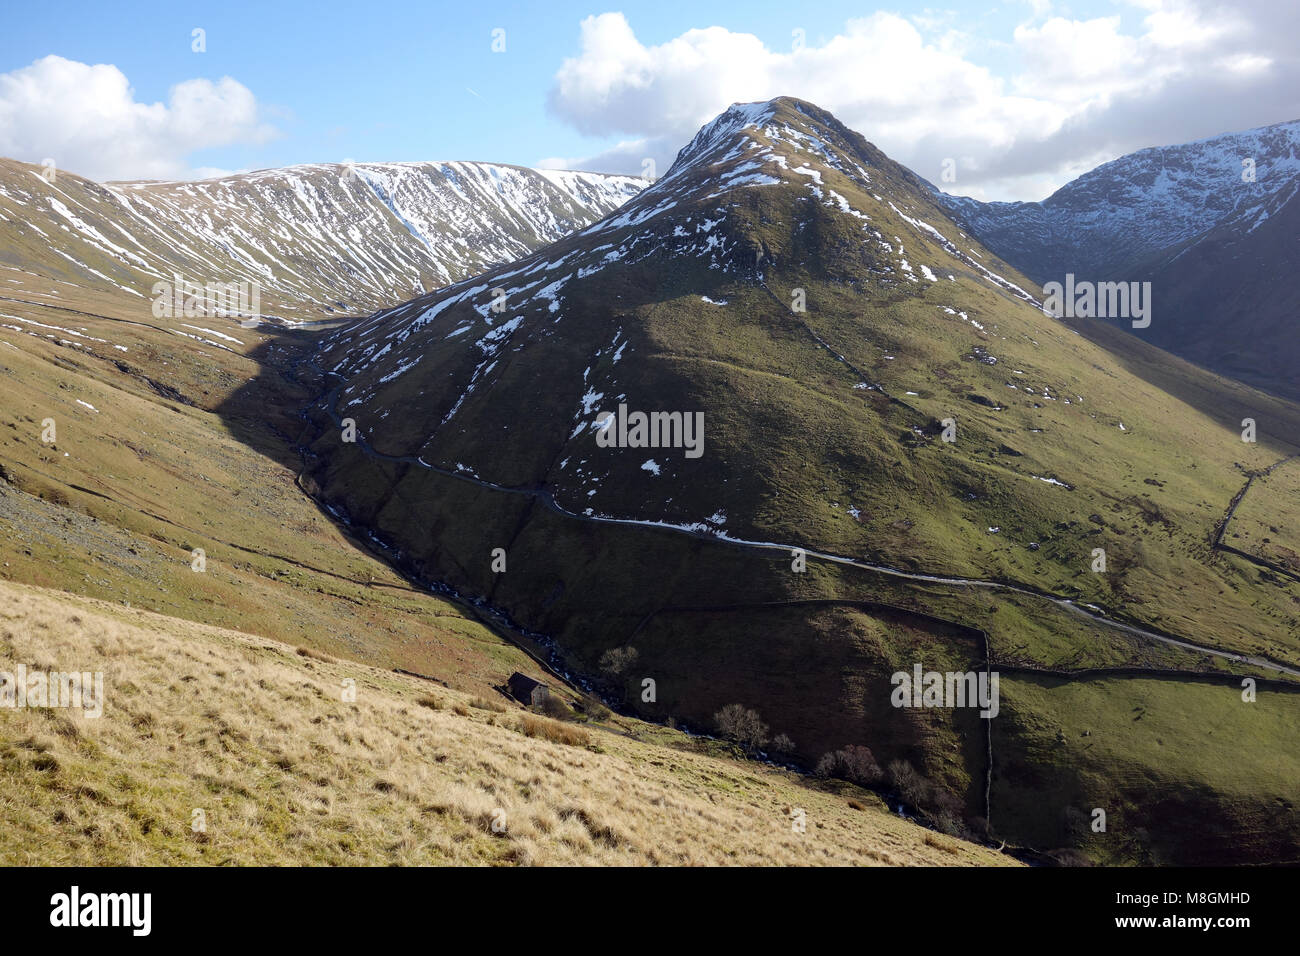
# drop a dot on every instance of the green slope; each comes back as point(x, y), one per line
point(823, 431)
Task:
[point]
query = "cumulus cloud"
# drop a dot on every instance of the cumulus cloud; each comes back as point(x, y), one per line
point(86, 119)
point(1068, 94)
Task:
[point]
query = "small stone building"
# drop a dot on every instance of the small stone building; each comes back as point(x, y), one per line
point(527, 691)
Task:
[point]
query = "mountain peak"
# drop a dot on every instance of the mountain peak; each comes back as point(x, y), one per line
point(757, 134)
point(770, 195)
point(784, 141)
point(720, 133)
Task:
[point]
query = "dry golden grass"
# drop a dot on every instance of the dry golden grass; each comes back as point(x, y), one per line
point(530, 725)
point(259, 738)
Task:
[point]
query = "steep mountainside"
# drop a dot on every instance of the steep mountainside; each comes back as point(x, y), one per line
point(1225, 301)
point(815, 304)
point(320, 240)
point(1212, 235)
point(114, 467)
point(148, 464)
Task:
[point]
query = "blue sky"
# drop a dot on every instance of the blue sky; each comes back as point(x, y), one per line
point(1019, 93)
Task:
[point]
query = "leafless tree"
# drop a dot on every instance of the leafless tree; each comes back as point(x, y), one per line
point(737, 722)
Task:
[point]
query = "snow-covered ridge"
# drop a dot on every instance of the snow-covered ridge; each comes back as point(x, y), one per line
point(1144, 202)
point(733, 151)
point(346, 238)
point(458, 217)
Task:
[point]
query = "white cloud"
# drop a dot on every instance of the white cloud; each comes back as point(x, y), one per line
point(630, 154)
point(1074, 92)
point(86, 119)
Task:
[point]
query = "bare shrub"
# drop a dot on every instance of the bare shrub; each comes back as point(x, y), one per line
point(782, 746)
point(911, 787)
point(738, 723)
point(616, 664)
point(617, 661)
point(552, 705)
point(853, 763)
point(595, 710)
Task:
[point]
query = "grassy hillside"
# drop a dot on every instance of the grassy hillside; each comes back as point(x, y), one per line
point(143, 472)
point(823, 431)
point(823, 426)
point(1267, 522)
point(257, 736)
point(140, 475)
point(1175, 756)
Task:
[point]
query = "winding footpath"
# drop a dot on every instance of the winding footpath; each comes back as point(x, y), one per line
point(547, 499)
point(543, 495)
